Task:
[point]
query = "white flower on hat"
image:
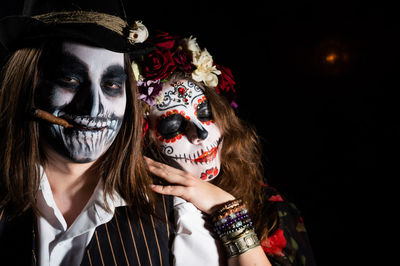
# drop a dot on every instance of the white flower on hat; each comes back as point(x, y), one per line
point(205, 71)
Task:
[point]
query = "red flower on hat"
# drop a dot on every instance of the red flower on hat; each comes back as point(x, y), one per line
point(274, 244)
point(158, 65)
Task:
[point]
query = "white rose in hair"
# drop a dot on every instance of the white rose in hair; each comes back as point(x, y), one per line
point(192, 45)
point(206, 71)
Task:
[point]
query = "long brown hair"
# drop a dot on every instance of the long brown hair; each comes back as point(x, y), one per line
point(122, 167)
point(242, 172)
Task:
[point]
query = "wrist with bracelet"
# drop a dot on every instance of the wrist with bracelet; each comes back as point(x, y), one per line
point(233, 225)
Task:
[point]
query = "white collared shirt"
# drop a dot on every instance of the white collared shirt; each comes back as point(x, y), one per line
point(60, 245)
point(193, 244)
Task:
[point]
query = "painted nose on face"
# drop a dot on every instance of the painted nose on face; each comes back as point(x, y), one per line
point(91, 101)
point(201, 132)
point(196, 133)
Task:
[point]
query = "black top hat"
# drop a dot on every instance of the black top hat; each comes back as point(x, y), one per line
point(101, 23)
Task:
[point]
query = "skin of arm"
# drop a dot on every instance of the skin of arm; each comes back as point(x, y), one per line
point(205, 196)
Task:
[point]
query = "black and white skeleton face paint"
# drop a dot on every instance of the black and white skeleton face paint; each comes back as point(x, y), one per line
point(185, 129)
point(85, 85)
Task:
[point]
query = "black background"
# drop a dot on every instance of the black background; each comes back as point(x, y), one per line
point(324, 125)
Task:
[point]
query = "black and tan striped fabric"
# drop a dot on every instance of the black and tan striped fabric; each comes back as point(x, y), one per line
point(128, 239)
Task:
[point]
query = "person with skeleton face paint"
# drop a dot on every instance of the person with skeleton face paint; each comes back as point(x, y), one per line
point(186, 131)
point(85, 86)
point(210, 160)
point(73, 186)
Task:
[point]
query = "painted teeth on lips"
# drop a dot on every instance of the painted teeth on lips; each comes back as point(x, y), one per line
point(207, 156)
point(90, 123)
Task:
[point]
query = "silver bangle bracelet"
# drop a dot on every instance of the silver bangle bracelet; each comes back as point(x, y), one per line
point(239, 245)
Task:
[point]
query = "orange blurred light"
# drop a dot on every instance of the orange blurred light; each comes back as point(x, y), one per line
point(331, 58)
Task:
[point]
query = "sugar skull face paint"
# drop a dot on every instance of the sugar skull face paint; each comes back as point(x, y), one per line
point(185, 130)
point(86, 86)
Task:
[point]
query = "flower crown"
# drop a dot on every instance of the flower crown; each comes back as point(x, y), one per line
point(171, 53)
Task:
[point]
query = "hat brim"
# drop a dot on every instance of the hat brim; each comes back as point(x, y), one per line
point(18, 32)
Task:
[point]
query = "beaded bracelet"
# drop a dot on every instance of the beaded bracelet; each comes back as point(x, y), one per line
point(231, 232)
point(228, 215)
point(239, 215)
point(234, 227)
point(233, 223)
point(218, 215)
point(229, 205)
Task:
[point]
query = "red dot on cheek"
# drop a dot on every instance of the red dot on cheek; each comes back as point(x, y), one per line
point(215, 171)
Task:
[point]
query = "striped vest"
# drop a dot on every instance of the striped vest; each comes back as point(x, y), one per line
point(128, 239)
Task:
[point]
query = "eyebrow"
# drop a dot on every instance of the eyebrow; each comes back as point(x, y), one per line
point(115, 72)
point(71, 63)
point(166, 109)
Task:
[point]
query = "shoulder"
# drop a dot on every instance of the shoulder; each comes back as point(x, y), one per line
point(281, 203)
point(287, 243)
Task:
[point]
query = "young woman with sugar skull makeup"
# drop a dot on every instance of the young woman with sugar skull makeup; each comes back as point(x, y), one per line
point(211, 162)
point(74, 189)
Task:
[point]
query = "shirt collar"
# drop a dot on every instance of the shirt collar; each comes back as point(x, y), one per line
point(93, 214)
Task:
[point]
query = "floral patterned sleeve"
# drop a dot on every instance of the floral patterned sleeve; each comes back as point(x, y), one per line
point(288, 244)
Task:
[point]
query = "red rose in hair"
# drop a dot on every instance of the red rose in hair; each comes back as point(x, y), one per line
point(158, 65)
point(274, 244)
point(183, 60)
point(163, 40)
point(226, 84)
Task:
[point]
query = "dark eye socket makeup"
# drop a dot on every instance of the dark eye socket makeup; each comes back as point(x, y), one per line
point(112, 85)
point(204, 112)
point(71, 73)
point(70, 82)
point(172, 125)
point(113, 80)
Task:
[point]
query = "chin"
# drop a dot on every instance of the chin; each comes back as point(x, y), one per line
point(205, 171)
point(82, 157)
